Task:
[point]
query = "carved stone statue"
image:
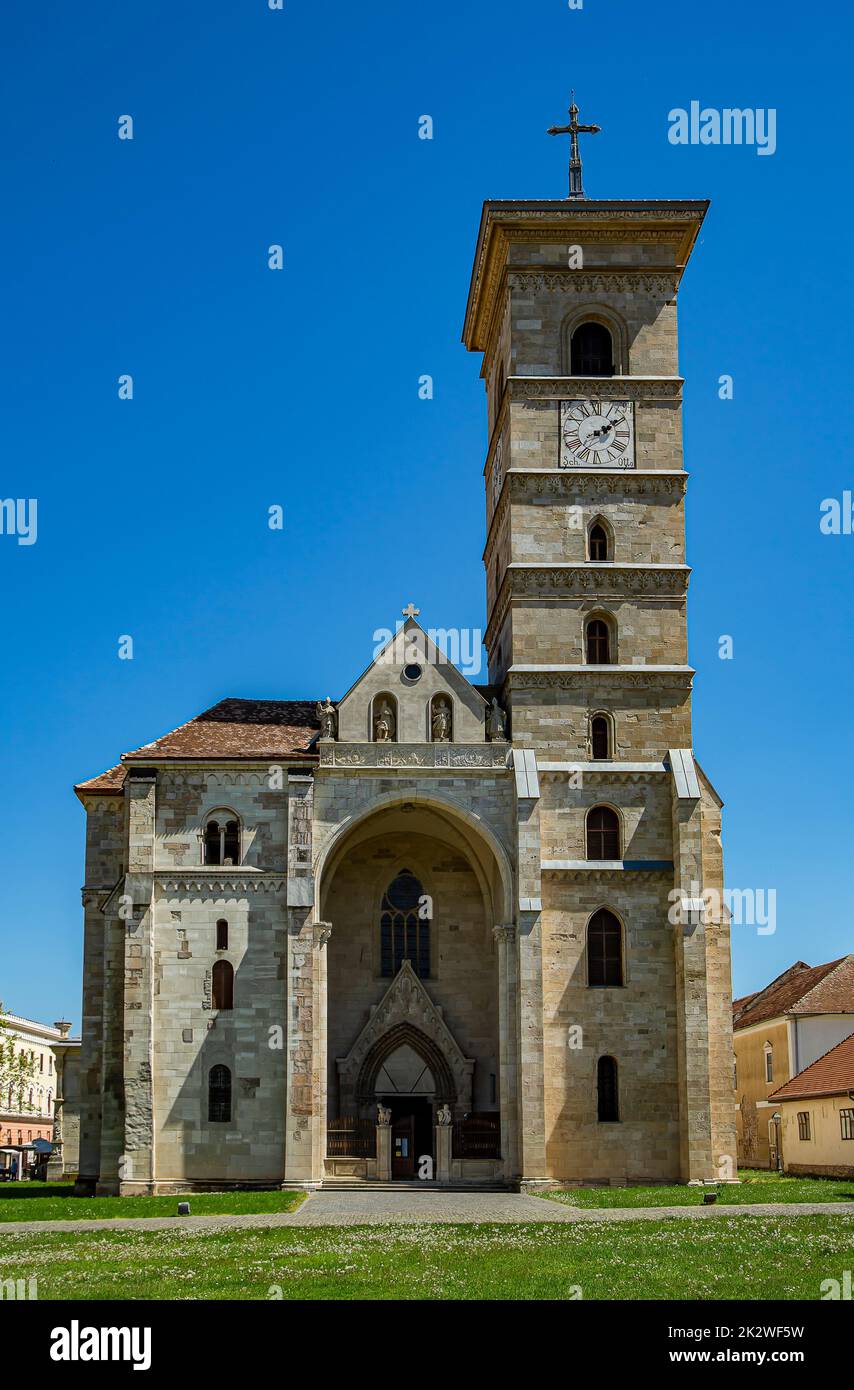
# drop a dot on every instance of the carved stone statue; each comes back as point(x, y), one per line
point(384, 723)
point(440, 722)
point(496, 722)
point(443, 1115)
point(328, 717)
point(383, 1116)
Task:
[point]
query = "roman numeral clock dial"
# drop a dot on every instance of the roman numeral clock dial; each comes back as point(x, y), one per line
point(597, 434)
point(497, 471)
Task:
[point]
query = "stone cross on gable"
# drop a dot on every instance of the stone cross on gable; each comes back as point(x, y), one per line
point(410, 611)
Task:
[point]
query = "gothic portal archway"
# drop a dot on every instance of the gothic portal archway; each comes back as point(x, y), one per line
point(403, 1035)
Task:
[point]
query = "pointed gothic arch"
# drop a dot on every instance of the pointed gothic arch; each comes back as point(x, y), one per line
point(406, 1035)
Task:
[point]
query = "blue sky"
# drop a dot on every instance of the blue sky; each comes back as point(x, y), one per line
point(254, 388)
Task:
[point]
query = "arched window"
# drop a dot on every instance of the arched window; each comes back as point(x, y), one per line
point(598, 542)
point(604, 950)
point(405, 926)
point(600, 736)
point(219, 1095)
point(592, 351)
point(222, 935)
point(222, 987)
point(603, 833)
point(598, 642)
point(222, 840)
point(608, 1094)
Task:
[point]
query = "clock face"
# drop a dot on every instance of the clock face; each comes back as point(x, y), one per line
point(597, 434)
point(497, 471)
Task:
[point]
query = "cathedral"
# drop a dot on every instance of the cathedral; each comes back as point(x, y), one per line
point(434, 931)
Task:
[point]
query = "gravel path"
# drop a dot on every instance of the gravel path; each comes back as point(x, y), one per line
point(392, 1208)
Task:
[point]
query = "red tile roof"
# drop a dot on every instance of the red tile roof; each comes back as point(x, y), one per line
point(802, 989)
point(232, 730)
point(831, 1075)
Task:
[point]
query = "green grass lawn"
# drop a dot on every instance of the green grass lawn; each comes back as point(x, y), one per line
point(741, 1257)
point(755, 1186)
point(56, 1202)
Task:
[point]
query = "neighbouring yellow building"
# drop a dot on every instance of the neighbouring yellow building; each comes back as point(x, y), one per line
point(777, 1033)
point(816, 1110)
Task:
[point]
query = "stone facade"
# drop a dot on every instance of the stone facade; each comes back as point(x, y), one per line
point(478, 1000)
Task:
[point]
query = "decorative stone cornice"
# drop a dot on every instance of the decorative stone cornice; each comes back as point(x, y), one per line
point(99, 804)
point(587, 581)
point(659, 284)
point(561, 388)
point(580, 677)
point(231, 776)
point(219, 882)
point(571, 482)
point(427, 757)
point(524, 484)
point(673, 226)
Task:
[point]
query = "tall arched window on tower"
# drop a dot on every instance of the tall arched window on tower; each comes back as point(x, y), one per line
point(222, 839)
point(598, 542)
point(592, 350)
point(222, 935)
point(597, 642)
point(608, 1091)
point(604, 950)
point(603, 833)
point(600, 736)
point(405, 926)
point(219, 1095)
point(222, 985)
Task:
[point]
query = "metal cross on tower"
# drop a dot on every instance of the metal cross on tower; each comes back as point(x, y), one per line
point(576, 186)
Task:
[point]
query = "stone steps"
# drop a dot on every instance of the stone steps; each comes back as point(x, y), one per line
point(370, 1185)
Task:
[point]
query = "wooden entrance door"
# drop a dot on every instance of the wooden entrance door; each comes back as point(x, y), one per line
point(403, 1147)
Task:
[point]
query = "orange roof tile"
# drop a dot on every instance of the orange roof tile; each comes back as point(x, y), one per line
point(830, 1075)
point(802, 989)
point(231, 730)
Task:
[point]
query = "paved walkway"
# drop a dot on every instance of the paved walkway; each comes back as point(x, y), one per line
point(407, 1208)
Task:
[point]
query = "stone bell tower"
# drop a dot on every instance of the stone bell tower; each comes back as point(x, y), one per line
point(573, 306)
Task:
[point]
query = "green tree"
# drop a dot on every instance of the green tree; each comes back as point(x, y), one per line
point(17, 1068)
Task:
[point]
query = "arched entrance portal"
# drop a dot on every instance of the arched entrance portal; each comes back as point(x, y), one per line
point(400, 1074)
point(413, 893)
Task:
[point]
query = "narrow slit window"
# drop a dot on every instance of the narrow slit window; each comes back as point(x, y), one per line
point(598, 542)
point(608, 1099)
point(219, 1095)
point(600, 737)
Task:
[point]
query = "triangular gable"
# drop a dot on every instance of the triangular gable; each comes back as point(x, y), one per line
point(392, 659)
point(436, 677)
